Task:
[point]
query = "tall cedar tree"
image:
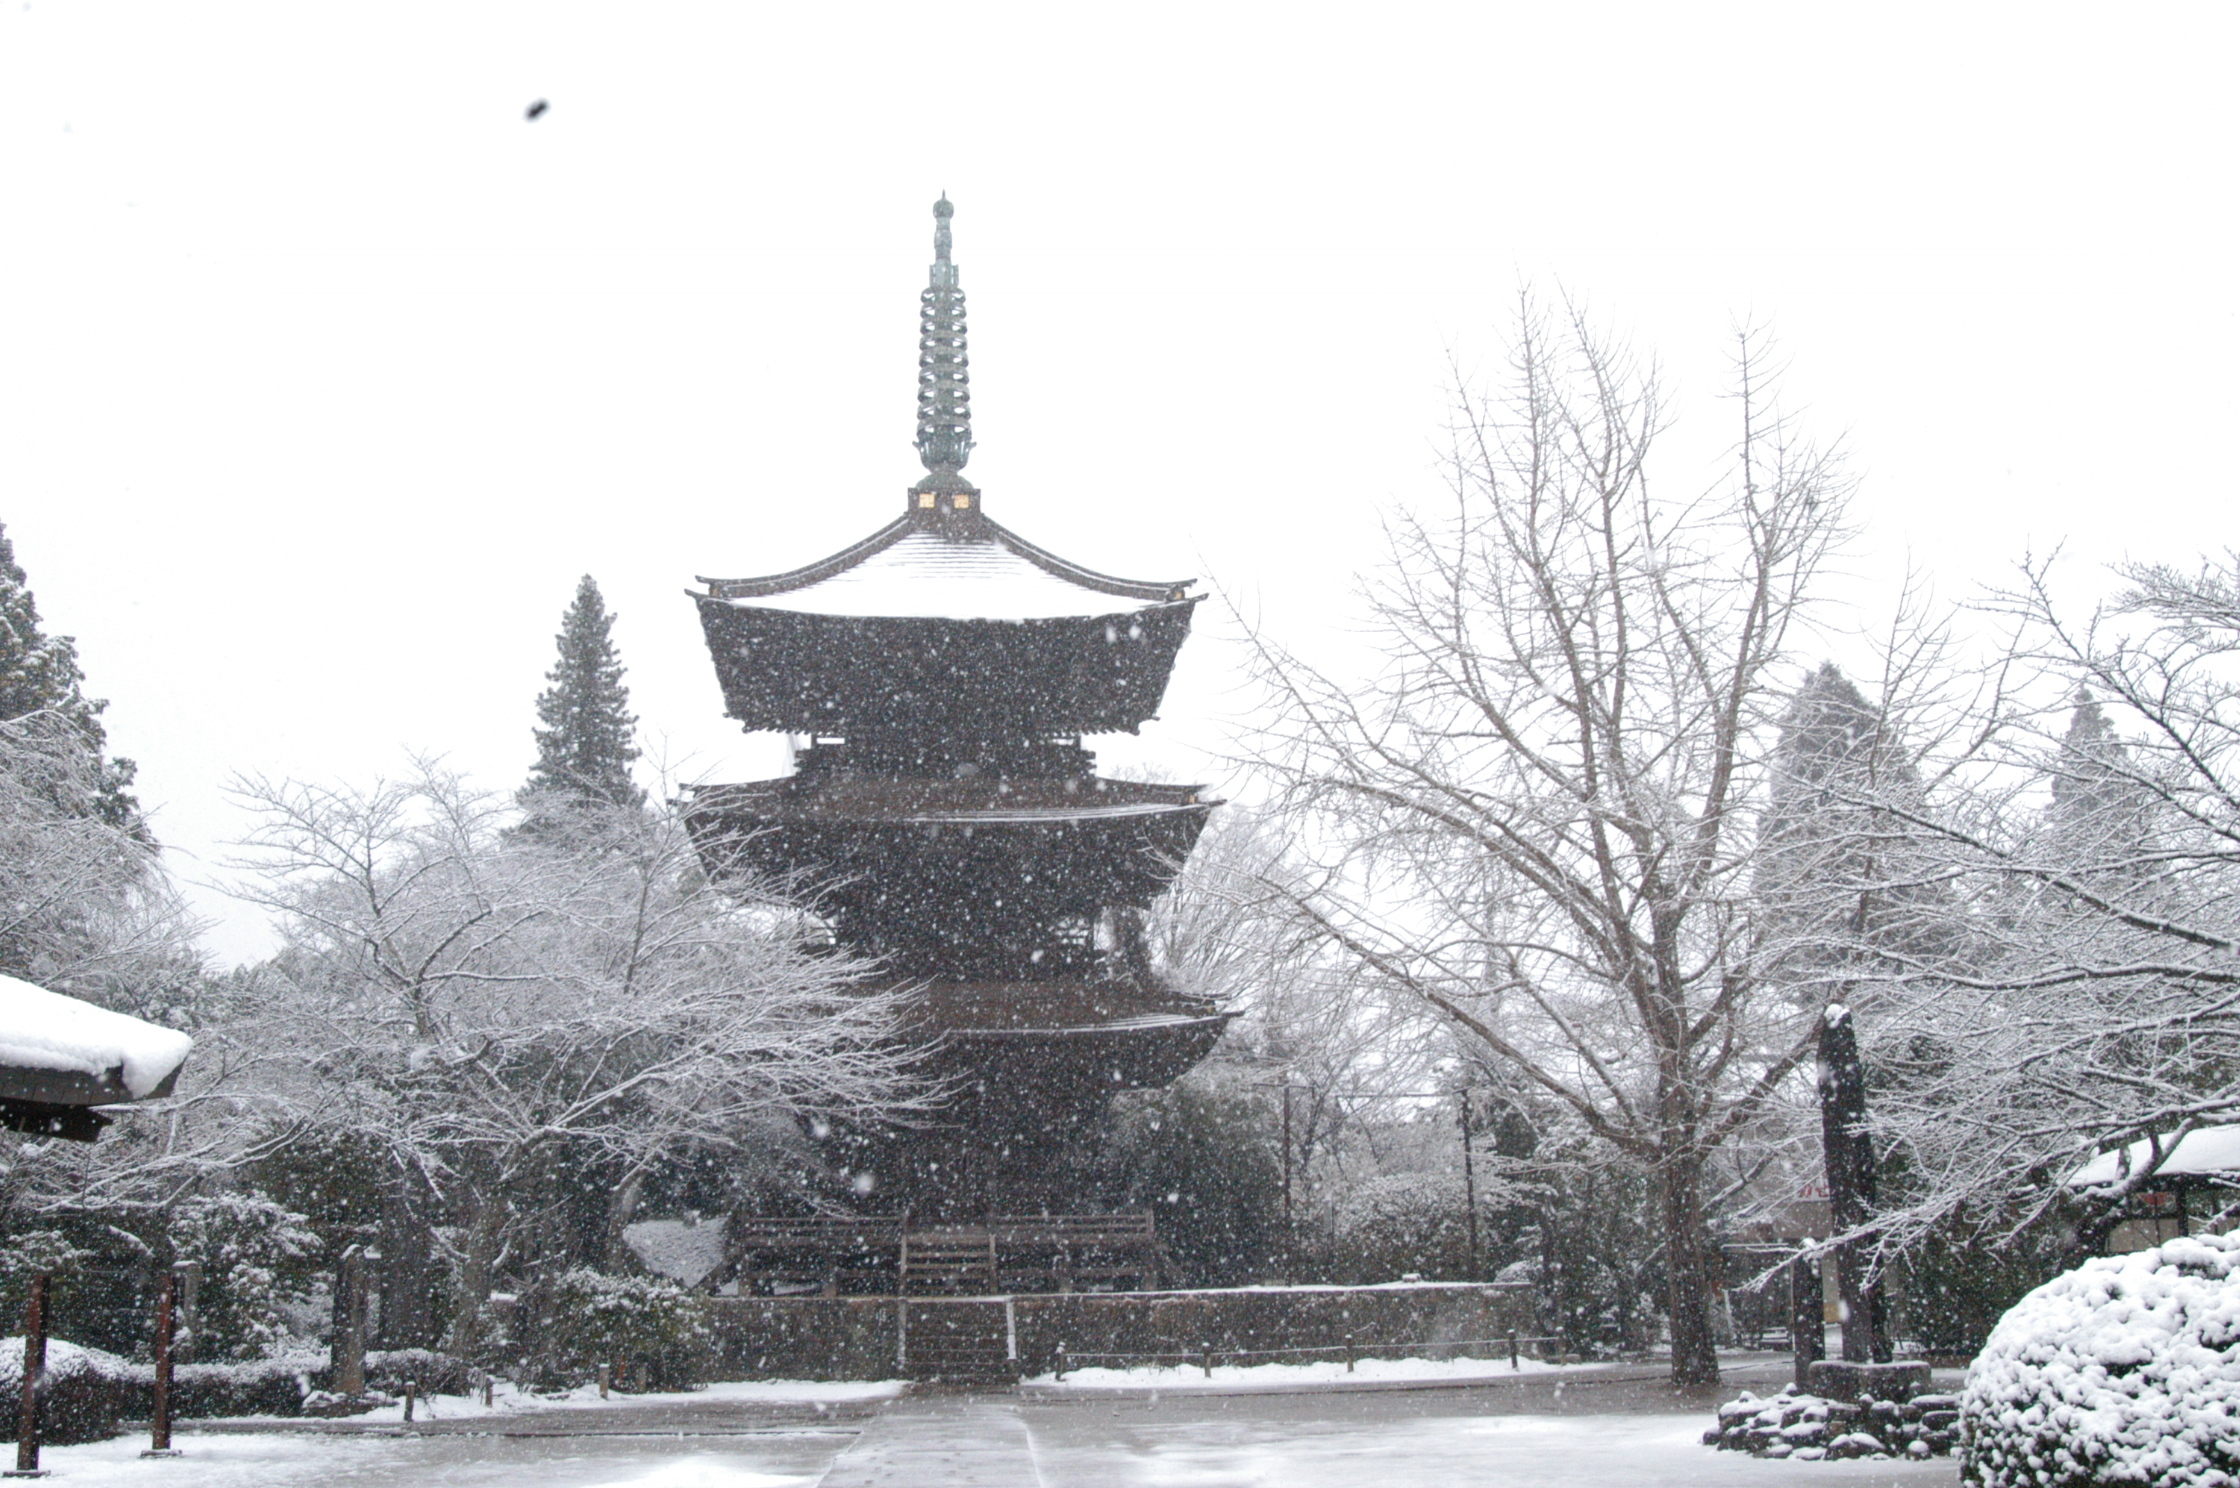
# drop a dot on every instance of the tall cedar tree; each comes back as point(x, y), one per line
point(584, 748)
point(40, 672)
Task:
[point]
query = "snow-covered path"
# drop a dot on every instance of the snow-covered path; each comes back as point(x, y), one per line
point(1370, 1440)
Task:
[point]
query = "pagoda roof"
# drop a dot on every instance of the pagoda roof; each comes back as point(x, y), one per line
point(949, 565)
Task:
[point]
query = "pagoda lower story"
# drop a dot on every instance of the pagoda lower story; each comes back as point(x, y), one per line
point(945, 821)
point(1010, 913)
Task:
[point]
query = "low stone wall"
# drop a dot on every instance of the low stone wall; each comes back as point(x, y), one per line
point(854, 1338)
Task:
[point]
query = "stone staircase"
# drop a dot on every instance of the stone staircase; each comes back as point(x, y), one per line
point(959, 1343)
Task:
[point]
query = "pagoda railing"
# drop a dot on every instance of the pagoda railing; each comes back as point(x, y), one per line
point(894, 1254)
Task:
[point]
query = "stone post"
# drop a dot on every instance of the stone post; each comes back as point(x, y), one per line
point(347, 1353)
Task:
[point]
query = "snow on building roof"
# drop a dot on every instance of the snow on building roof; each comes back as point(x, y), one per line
point(2209, 1151)
point(42, 1030)
point(684, 1250)
point(969, 568)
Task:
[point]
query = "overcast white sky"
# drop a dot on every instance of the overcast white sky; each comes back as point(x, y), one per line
point(324, 373)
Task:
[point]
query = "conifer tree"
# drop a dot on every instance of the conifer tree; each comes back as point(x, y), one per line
point(2101, 802)
point(584, 747)
point(39, 673)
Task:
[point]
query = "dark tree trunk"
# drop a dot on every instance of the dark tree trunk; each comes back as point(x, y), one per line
point(471, 1290)
point(408, 1314)
point(1688, 1274)
point(1848, 1151)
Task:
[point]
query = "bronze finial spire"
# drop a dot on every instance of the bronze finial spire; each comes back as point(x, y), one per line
point(944, 384)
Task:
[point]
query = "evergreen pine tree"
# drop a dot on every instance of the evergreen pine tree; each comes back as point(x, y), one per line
point(584, 747)
point(2101, 804)
point(39, 672)
point(1821, 843)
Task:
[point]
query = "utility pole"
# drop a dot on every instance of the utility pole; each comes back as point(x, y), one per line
point(1469, 1188)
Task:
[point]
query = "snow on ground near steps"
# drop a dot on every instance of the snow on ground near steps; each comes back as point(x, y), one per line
point(1322, 1372)
point(46, 1030)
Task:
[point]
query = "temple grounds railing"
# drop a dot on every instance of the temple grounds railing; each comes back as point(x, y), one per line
point(1351, 1351)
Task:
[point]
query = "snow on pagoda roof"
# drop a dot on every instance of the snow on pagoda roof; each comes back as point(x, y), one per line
point(968, 568)
point(42, 1030)
point(2205, 1152)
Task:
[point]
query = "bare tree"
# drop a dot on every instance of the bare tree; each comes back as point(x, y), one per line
point(1536, 818)
point(479, 1000)
point(1326, 1048)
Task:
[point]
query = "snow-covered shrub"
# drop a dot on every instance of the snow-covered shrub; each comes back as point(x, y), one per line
point(431, 1372)
point(256, 1261)
point(1392, 1224)
point(588, 1319)
point(2123, 1371)
point(85, 1393)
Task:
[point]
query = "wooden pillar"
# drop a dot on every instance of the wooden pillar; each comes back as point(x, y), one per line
point(167, 1317)
point(34, 1370)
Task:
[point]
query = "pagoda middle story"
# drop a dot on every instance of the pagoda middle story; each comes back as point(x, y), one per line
point(943, 673)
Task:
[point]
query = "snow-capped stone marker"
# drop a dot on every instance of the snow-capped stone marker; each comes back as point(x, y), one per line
point(61, 1056)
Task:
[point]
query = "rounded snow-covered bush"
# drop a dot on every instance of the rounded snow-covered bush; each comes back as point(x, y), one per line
point(626, 1322)
point(2123, 1371)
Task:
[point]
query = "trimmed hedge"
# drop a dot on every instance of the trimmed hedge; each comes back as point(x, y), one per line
point(88, 1391)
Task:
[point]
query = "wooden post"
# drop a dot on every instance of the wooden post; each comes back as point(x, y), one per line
point(1513, 1361)
point(167, 1311)
point(34, 1367)
point(1287, 1173)
point(1205, 1359)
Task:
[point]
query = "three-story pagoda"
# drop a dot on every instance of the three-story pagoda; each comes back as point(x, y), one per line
point(944, 672)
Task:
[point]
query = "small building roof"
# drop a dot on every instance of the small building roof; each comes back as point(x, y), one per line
point(959, 566)
point(683, 1250)
point(2204, 1152)
point(65, 1051)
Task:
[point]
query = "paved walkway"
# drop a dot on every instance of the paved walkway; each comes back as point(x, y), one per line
point(1615, 1428)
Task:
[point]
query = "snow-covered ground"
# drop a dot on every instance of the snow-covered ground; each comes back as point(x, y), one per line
point(792, 1460)
point(1320, 1374)
point(1331, 1441)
